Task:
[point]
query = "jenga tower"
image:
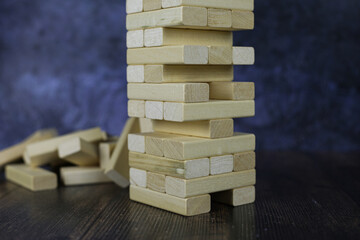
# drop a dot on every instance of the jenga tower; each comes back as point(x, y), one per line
point(180, 75)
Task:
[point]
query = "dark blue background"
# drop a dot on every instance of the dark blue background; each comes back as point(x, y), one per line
point(62, 64)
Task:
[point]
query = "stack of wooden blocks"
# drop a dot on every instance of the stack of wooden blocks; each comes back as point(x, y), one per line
point(180, 75)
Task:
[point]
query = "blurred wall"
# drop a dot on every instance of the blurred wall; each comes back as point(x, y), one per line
point(63, 63)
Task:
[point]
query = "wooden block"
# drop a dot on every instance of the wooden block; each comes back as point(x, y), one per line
point(186, 188)
point(221, 164)
point(188, 73)
point(232, 91)
point(105, 151)
point(192, 147)
point(226, 4)
point(146, 125)
point(173, 92)
point(35, 179)
point(181, 112)
point(156, 182)
point(44, 152)
point(14, 153)
point(135, 74)
point(136, 108)
point(180, 16)
point(134, 6)
point(244, 161)
point(187, 207)
point(135, 39)
point(220, 55)
point(243, 19)
point(218, 128)
point(236, 197)
point(154, 110)
point(154, 143)
point(182, 169)
point(82, 176)
point(186, 54)
point(157, 37)
point(138, 177)
point(150, 5)
point(220, 18)
point(136, 142)
point(79, 152)
point(243, 56)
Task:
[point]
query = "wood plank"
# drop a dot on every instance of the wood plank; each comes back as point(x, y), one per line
point(156, 182)
point(244, 161)
point(173, 92)
point(226, 4)
point(186, 188)
point(243, 56)
point(186, 54)
point(34, 179)
point(220, 55)
point(150, 5)
point(136, 108)
point(154, 143)
point(232, 91)
point(105, 151)
point(235, 197)
point(157, 37)
point(135, 39)
point(187, 207)
point(243, 19)
point(220, 18)
point(181, 112)
point(189, 169)
point(44, 152)
point(136, 142)
point(138, 177)
point(217, 128)
point(183, 148)
point(79, 152)
point(221, 164)
point(14, 153)
point(135, 74)
point(134, 6)
point(71, 176)
point(154, 110)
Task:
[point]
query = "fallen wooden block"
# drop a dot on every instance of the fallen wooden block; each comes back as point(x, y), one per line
point(154, 143)
point(134, 6)
point(186, 188)
point(218, 128)
point(173, 92)
point(35, 179)
point(244, 161)
point(187, 207)
point(82, 176)
point(135, 39)
point(136, 108)
point(16, 152)
point(220, 55)
point(221, 164)
point(243, 56)
point(216, 109)
point(156, 182)
point(138, 177)
point(219, 18)
point(150, 5)
point(183, 148)
point(154, 110)
point(105, 151)
point(232, 91)
point(182, 169)
point(79, 152)
point(236, 197)
point(44, 152)
point(226, 4)
point(186, 54)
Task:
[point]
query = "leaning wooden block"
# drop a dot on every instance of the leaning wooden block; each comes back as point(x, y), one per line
point(154, 110)
point(220, 18)
point(173, 92)
point(243, 19)
point(136, 142)
point(156, 182)
point(181, 112)
point(227, 4)
point(150, 5)
point(186, 188)
point(138, 177)
point(221, 164)
point(244, 161)
point(79, 152)
point(236, 197)
point(186, 54)
point(105, 151)
point(136, 108)
point(187, 207)
point(182, 169)
point(183, 148)
point(154, 143)
point(135, 39)
point(232, 91)
point(82, 175)
point(243, 56)
point(218, 128)
point(35, 179)
point(220, 55)
point(134, 6)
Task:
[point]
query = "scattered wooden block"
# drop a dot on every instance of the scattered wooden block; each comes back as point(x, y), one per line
point(220, 55)
point(244, 161)
point(154, 143)
point(243, 19)
point(105, 151)
point(15, 152)
point(221, 164)
point(218, 128)
point(186, 54)
point(79, 152)
point(220, 18)
point(136, 108)
point(226, 4)
point(136, 142)
point(82, 176)
point(187, 207)
point(232, 91)
point(243, 56)
point(138, 177)
point(150, 5)
point(134, 6)
point(135, 39)
point(44, 152)
point(157, 37)
point(174, 92)
point(186, 188)
point(35, 179)
point(156, 182)
point(181, 112)
point(183, 148)
point(182, 169)
point(135, 74)
point(154, 110)
point(236, 197)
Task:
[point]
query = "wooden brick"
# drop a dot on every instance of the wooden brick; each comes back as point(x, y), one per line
point(150, 5)
point(221, 164)
point(136, 142)
point(135, 39)
point(220, 55)
point(219, 18)
point(154, 143)
point(79, 152)
point(232, 91)
point(105, 151)
point(136, 108)
point(243, 19)
point(138, 177)
point(226, 4)
point(156, 182)
point(243, 56)
point(135, 74)
point(82, 176)
point(244, 161)
point(154, 110)
point(134, 6)
point(236, 197)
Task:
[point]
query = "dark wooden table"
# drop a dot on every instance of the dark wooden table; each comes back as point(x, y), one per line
point(299, 196)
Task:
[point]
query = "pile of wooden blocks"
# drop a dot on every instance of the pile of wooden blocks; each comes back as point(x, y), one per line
point(180, 75)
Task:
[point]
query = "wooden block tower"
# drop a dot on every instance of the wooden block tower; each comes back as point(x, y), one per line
point(180, 74)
